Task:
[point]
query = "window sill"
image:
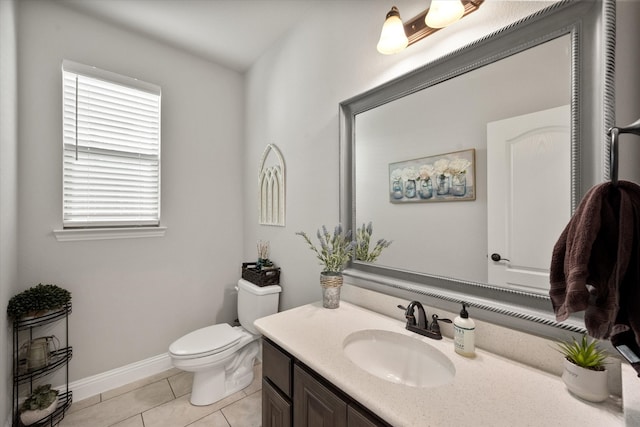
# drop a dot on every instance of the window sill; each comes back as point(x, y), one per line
point(70, 235)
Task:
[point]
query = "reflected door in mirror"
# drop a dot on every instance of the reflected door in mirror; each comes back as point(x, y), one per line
point(528, 195)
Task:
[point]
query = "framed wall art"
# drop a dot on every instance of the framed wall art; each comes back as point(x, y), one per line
point(441, 178)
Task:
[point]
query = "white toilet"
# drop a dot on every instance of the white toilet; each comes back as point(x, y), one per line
point(221, 356)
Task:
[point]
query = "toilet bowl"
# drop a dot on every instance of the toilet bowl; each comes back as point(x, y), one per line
point(220, 356)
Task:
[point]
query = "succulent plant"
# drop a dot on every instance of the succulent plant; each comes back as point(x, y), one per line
point(41, 398)
point(584, 353)
point(37, 298)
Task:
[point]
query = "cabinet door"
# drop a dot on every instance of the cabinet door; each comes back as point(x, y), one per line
point(314, 405)
point(276, 410)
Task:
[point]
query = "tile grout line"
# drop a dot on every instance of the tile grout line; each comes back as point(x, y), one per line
point(225, 418)
point(171, 388)
point(220, 410)
point(141, 414)
point(160, 404)
point(101, 399)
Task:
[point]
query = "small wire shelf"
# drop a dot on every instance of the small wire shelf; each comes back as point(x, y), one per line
point(58, 359)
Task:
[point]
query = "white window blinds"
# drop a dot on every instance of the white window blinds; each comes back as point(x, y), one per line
point(111, 146)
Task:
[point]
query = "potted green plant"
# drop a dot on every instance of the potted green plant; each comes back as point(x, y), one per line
point(37, 300)
point(363, 242)
point(39, 404)
point(585, 373)
point(335, 251)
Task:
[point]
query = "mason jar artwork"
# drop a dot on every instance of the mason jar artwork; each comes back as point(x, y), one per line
point(397, 189)
point(410, 189)
point(439, 178)
point(426, 189)
point(443, 183)
point(459, 184)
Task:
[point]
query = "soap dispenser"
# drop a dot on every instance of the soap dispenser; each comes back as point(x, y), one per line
point(464, 333)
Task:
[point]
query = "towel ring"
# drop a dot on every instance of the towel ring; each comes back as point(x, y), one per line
point(614, 132)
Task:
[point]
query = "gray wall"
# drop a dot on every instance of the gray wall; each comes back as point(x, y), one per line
point(8, 193)
point(132, 297)
point(292, 101)
point(293, 93)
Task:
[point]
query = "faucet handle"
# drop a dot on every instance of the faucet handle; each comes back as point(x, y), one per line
point(435, 327)
point(411, 319)
point(436, 318)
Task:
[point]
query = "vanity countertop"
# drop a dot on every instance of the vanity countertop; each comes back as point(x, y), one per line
point(487, 390)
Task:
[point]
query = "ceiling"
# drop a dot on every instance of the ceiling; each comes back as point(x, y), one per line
point(233, 33)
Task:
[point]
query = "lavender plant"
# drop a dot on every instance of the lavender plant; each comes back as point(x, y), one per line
point(363, 242)
point(335, 250)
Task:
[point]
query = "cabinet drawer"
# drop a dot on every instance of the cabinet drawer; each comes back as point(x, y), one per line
point(276, 365)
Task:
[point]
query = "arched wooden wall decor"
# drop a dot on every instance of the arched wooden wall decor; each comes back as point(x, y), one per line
point(271, 185)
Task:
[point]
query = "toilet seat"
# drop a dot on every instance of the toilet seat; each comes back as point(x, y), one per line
point(205, 342)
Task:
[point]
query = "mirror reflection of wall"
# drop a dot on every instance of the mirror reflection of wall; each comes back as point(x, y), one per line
point(449, 239)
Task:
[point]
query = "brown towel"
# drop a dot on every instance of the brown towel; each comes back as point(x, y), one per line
point(595, 265)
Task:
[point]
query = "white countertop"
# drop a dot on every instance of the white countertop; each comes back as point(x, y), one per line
point(487, 390)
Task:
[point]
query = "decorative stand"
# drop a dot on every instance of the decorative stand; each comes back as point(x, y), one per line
point(24, 377)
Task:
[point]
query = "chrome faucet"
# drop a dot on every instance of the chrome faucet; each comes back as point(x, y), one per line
point(422, 327)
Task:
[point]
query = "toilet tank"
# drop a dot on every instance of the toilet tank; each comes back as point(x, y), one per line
point(255, 302)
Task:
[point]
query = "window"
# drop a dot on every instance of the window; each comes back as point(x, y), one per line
point(111, 149)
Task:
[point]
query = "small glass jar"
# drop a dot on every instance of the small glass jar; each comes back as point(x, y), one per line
point(443, 183)
point(397, 189)
point(426, 189)
point(410, 189)
point(459, 184)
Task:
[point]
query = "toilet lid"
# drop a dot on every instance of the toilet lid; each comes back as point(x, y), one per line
point(209, 340)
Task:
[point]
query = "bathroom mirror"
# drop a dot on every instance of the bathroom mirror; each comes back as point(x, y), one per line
point(550, 61)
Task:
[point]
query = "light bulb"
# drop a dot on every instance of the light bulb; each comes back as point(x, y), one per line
point(444, 12)
point(392, 38)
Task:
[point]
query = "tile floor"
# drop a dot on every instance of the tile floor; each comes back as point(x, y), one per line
point(163, 401)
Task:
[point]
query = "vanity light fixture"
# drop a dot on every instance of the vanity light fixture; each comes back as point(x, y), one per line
point(396, 36)
point(443, 13)
point(392, 38)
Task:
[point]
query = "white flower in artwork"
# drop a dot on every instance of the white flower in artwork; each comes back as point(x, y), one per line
point(396, 175)
point(441, 167)
point(426, 172)
point(458, 165)
point(409, 173)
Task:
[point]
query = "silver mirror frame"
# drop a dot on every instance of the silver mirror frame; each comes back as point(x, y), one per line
point(591, 26)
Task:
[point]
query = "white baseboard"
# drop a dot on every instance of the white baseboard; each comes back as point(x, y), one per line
point(100, 383)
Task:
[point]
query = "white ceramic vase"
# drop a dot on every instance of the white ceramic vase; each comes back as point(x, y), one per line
point(585, 383)
point(30, 417)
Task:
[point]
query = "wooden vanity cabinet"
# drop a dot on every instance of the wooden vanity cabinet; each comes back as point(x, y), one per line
point(294, 395)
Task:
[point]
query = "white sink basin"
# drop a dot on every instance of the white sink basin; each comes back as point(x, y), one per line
point(399, 358)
